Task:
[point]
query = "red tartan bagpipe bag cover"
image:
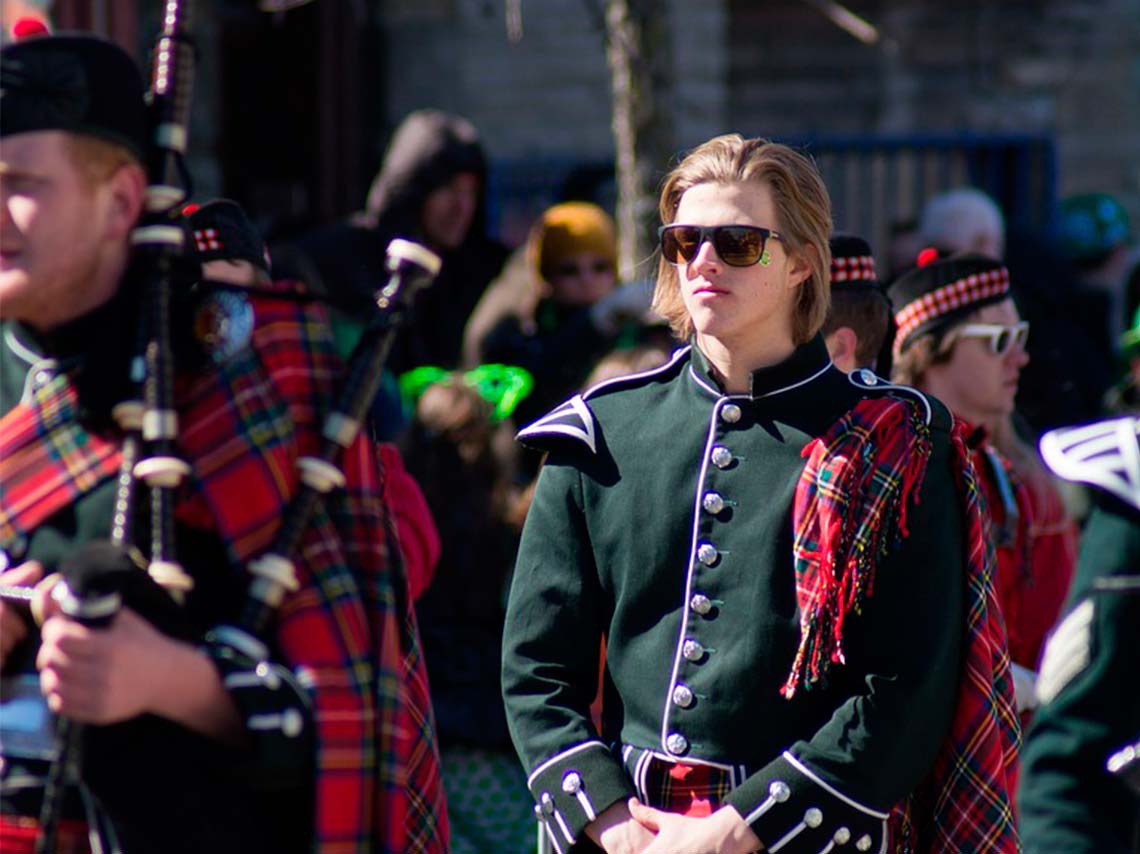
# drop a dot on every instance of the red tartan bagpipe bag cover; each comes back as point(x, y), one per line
point(351, 625)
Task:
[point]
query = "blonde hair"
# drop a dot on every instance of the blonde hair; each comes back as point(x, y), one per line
point(803, 217)
point(924, 352)
point(97, 159)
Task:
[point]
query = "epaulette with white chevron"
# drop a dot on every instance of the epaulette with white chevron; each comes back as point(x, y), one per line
point(868, 380)
point(1105, 454)
point(573, 420)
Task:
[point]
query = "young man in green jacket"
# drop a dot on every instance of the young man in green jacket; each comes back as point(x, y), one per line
point(784, 640)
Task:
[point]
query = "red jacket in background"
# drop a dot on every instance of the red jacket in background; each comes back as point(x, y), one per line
point(1036, 550)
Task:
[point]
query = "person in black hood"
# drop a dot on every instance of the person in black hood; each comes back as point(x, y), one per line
point(430, 189)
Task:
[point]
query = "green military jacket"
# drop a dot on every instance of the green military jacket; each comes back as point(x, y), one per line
point(662, 522)
point(1070, 802)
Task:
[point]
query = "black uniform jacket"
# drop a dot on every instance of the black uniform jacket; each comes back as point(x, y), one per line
point(1089, 687)
point(662, 521)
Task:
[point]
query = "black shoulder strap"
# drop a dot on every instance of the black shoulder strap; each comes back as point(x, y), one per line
point(868, 381)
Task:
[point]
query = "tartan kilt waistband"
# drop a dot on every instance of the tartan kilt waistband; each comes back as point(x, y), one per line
point(689, 788)
point(18, 836)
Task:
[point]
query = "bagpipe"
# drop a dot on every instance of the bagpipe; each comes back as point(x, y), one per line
point(206, 814)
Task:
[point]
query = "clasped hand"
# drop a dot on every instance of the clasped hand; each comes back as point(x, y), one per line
point(632, 827)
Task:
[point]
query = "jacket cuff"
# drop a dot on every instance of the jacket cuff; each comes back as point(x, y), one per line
point(794, 811)
point(572, 788)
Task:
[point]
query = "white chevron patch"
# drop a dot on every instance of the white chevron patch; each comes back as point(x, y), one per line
point(1067, 653)
point(573, 419)
point(1105, 454)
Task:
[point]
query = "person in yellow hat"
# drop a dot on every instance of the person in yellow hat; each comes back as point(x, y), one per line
point(559, 308)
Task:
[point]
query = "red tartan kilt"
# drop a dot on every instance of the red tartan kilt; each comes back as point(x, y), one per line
point(692, 790)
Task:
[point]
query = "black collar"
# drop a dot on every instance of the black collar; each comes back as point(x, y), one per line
point(807, 362)
point(96, 349)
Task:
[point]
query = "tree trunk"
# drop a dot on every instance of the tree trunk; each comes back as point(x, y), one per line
point(640, 61)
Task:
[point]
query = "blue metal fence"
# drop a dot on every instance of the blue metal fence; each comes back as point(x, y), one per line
point(876, 181)
point(519, 190)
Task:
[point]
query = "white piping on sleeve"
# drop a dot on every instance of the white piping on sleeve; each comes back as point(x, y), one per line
point(787, 837)
point(768, 802)
point(578, 748)
point(564, 827)
point(584, 801)
point(807, 772)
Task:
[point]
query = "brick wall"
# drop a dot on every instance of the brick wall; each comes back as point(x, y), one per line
point(548, 94)
point(1067, 68)
point(1070, 68)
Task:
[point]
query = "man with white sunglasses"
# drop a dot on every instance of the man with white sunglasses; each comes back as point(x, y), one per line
point(961, 339)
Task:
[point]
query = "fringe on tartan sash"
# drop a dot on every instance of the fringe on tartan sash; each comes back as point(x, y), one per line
point(850, 511)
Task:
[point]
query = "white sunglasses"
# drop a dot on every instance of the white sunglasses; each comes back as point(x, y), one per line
point(1001, 337)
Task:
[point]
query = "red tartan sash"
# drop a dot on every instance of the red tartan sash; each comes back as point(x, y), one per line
point(351, 625)
point(846, 519)
point(47, 459)
point(966, 803)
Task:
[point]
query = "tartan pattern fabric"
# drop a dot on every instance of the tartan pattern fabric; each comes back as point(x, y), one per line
point(350, 629)
point(47, 458)
point(859, 268)
point(966, 803)
point(18, 835)
point(947, 298)
point(692, 790)
point(847, 517)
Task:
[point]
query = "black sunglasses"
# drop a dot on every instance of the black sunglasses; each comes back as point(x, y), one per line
point(735, 245)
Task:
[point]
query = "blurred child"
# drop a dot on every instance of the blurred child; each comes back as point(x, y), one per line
point(452, 449)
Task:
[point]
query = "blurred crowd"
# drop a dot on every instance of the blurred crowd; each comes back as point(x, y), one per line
point(1016, 333)
point(552, 318)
